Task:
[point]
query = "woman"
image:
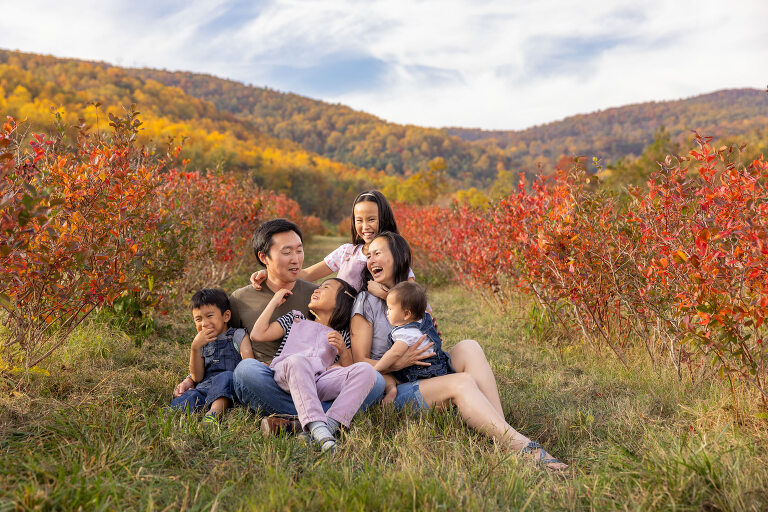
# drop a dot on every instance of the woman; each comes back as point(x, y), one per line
point(472, 389)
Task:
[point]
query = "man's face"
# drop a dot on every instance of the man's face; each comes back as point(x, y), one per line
point(285, 258)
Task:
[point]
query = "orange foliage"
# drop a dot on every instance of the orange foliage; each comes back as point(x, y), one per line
point(683, 269)
point(84, 226)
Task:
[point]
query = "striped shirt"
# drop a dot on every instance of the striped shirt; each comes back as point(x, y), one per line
point(286, 322)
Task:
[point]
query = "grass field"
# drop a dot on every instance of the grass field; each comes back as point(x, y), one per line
point(93, 434)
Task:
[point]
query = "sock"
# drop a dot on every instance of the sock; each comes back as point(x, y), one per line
point(320, 433)
point(333, 426)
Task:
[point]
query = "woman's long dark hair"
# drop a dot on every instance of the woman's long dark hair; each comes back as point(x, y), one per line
point(401, 257)
point(342, 313)
point(386, 215)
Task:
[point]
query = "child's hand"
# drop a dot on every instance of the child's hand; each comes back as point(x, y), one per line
point(280, 296)
point(183, 386)
point(204, 337)
point(337, 340)
point(378, 290)
point(258, 277)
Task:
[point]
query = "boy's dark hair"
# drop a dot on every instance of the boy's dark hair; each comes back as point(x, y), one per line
point(386, 215)
point(262, 237)
point(401, 257)
point(411, 297)
point(342, 313)
point(211, 297)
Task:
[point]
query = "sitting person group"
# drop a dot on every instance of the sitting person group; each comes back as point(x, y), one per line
point(324, 353)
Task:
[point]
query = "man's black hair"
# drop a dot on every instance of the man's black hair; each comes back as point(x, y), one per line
point(211, 297)
point(262, 237)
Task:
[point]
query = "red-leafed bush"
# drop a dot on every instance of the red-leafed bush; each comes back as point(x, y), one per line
point(683, 268)
point(106, 221)
point(75, 227)
point(704, 244)
point(211, 218)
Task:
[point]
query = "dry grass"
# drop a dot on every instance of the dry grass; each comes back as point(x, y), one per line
point(94, 435)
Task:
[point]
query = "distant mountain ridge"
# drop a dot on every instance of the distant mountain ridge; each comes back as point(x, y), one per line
point(339, 132)
point(625, 131)
point(359, 138)
point(297, 145)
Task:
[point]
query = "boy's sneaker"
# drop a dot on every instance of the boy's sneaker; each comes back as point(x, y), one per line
point(211, 419)
point(276, 424)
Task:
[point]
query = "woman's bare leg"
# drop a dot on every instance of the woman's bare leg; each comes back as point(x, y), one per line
point(468, 357)
point(475, 408)
point(462, 390)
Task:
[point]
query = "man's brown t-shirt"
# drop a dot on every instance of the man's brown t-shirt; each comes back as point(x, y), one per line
point(248, 303)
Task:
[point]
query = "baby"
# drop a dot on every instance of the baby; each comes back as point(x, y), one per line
point(406, 312)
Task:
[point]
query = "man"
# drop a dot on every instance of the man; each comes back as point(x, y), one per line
point(278, 246)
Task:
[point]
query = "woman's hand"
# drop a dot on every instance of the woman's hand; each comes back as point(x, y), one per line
point(258, 277)
point(183, 387)
point(378, 290)
point(414, 355)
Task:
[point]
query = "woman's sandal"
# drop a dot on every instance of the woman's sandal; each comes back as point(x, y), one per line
point(544, 459)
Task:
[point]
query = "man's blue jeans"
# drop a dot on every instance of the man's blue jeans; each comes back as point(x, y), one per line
point(255, 387)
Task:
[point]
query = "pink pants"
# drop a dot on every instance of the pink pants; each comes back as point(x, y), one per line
point(308, 382)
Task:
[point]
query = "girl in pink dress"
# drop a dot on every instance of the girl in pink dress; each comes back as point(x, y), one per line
point(371, 214)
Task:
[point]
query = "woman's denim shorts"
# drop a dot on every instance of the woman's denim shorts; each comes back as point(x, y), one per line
point(408, 395)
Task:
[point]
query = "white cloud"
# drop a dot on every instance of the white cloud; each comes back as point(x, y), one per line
point(491, 64)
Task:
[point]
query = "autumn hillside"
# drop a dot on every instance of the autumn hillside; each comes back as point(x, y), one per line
point(740, 115)
point(311, 150)
point(33, 87)
point(358, 138)
point(339, 132)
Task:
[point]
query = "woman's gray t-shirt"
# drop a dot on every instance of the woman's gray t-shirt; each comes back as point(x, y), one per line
point(374, 310)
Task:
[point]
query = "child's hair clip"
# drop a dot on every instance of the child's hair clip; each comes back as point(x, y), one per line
point(345, 291)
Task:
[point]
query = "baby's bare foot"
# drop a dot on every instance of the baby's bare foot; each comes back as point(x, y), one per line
point(390, 395)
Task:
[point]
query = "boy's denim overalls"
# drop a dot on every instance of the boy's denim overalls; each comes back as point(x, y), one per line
point(220, 358)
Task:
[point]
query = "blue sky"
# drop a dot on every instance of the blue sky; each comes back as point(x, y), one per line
point(483, 63)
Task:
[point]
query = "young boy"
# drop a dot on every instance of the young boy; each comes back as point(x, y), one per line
point(406, 311)
point(215, 352)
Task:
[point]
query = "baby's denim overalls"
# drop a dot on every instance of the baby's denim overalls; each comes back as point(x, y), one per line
point(220, 358)
point(439, 363)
